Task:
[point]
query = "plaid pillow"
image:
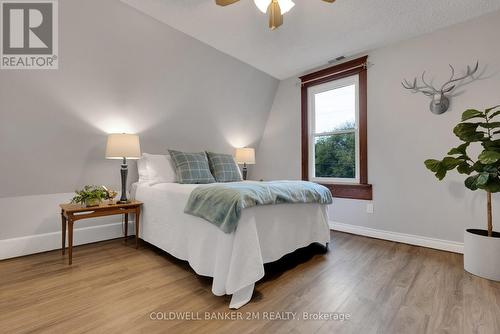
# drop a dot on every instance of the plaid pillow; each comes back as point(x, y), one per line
point(223, 167)
point(191, 168)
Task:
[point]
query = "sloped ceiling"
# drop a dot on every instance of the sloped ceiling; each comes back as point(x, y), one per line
point(314, 31)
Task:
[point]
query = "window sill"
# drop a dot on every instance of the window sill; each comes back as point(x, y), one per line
point(352, 191)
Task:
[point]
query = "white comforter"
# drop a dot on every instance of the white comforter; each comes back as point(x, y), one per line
point(236, 260)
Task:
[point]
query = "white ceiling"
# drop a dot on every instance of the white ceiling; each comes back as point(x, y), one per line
point(313, 32)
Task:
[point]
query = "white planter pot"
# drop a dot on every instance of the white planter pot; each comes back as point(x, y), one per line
point(482, 254)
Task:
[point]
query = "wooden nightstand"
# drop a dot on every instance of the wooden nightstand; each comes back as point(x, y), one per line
point(70, 213)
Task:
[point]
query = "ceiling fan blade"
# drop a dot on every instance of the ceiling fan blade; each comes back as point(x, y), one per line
point(225, 2)
point(330, 1)
point(275, 16)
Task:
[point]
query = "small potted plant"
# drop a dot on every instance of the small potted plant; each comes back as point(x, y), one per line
point(481, 247)
point(90, 196)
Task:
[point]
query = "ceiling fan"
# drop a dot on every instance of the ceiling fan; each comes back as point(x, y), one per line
point(275, 8)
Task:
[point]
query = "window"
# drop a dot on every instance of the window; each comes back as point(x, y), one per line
point(334, 129)
point(334, 136)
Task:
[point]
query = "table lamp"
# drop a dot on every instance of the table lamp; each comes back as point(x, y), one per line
point(123, 146)
point(245, 156)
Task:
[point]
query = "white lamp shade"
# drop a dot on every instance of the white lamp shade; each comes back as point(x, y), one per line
point(121, 145)
point(245, 155)
point(285, 5)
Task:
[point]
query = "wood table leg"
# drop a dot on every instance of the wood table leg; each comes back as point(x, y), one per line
point(137, 223)
point(63, 241)
point(70, 240)
point(126, 226)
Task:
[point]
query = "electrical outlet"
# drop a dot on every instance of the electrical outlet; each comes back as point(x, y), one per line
point(369, 207)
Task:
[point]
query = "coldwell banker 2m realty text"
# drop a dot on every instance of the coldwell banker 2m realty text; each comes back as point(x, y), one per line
point(29, 34)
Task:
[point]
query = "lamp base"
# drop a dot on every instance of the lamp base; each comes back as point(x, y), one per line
point(245, 172)
point(124, 171)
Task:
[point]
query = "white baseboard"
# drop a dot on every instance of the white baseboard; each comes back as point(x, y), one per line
point(32, 244)
point(446, 245)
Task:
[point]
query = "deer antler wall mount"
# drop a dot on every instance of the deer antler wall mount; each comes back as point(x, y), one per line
point(440, 101)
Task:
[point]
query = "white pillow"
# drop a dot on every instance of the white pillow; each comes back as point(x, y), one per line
point(159, 168)
point(142, 168)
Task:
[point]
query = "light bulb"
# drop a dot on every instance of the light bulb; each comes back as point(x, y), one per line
point(285, 5)
point(262, 5)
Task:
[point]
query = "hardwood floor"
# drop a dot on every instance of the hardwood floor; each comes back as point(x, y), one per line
point(384, 287)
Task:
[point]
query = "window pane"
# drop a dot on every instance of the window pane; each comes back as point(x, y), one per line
point(335, 109)
point(335, 156)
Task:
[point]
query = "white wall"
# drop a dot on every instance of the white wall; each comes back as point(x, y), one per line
point(120, 71)
point(402, 133)
point(279, 156)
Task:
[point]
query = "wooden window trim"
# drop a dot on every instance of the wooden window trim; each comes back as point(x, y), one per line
point(363, 190)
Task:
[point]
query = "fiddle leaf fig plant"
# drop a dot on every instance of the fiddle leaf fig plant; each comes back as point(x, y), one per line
point(483, 172)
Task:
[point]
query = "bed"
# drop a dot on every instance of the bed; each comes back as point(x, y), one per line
point(234, 260)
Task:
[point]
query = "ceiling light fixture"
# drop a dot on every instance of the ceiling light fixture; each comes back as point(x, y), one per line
point(275, 8)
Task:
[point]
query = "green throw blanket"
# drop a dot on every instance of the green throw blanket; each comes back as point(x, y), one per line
point(221, 204)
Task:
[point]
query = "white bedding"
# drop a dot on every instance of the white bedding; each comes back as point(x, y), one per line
point(236, 260)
